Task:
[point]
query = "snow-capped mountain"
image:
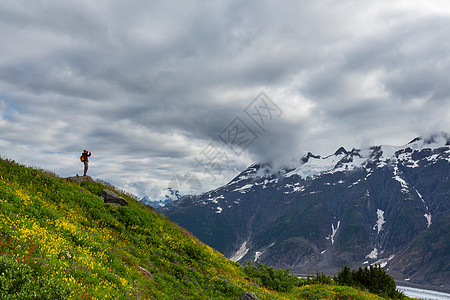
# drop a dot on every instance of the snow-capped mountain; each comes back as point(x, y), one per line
point(170, 196)
point(387, 205)
point(155, 203)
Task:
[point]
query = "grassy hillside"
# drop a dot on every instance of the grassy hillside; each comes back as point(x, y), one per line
point(59, 240)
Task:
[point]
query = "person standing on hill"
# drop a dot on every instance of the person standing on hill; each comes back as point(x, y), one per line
point(85, 159)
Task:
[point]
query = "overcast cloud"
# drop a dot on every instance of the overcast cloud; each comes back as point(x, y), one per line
point(151, 87)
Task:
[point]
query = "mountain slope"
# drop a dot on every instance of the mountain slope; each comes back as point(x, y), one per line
point(60, 240)
point(387, 205)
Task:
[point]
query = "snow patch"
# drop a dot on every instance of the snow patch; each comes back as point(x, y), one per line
point(384, 261)
point(433, 158)
point(243, 188)
point(257, 255)
point(380, 221)
point(295, 188)
point(299, 189)
point(420, 196)
point(354, 183)
point(428, 217)
point(397, 173)
point(356, 162)
point(381, 164)
point(219, 210)
point(373, 254)
point(333, 232)
point(269, 181)
point(240, 253)
point(406, 159)
point(316, 166)
point(215, 199)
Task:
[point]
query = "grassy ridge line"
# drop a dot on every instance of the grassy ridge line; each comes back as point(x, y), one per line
point(77, 247)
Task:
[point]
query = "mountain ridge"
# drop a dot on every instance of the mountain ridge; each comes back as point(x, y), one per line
point(364, 206)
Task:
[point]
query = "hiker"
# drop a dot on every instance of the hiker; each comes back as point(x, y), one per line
point(84, 158)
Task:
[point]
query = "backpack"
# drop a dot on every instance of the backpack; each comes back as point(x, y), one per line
point(82, 158)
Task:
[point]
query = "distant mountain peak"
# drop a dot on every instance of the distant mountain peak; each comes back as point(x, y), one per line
point(417, 139)
point(306, 158)
point(340, 151)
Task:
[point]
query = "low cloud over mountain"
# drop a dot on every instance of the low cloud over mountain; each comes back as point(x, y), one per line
point(147, 86)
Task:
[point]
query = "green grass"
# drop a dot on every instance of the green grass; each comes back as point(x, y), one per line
point(61, 240)
point(319, 291)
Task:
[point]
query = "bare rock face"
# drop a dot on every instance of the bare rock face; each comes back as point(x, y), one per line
point(110, 197)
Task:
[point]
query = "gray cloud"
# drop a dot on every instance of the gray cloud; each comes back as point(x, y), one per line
point(147, 86)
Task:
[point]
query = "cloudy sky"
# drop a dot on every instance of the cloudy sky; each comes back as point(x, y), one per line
point(161, 91)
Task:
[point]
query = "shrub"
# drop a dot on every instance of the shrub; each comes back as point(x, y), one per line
point(373, 278)
point(320, 278)
point(18, 281)
point(345, 277)
point(277, 280)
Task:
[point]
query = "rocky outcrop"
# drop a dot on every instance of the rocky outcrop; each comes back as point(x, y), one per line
point(145, 272)
point(248, 296)
point(110, 197)
point(79, 179)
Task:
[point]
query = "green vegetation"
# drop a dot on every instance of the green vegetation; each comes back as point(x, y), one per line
point(281, 280)
point(17, 282)
point(319, 291)
point(373, 278)
point(59, 240)
point(277, 280)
